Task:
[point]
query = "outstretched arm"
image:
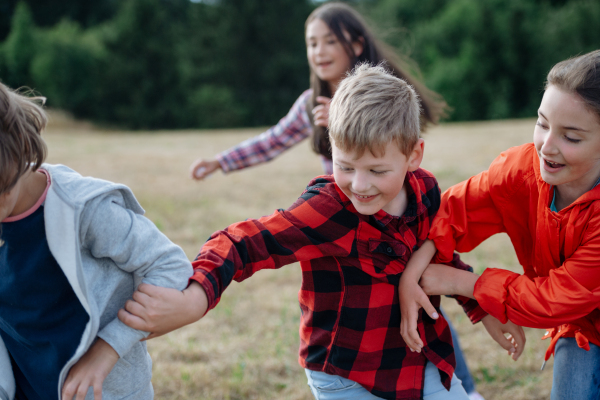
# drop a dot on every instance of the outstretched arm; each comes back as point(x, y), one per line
point(289, 131)
point(236, 253)
point(412, 297)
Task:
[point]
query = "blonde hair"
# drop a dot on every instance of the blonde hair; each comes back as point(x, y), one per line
point(21, 145)
point(579, 75)
point(371, 109)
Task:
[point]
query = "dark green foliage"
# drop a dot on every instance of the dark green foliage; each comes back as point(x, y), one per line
point(67, 68)
point(224, 63)
point(489, 59)
point(47, 13)
point(19, 49)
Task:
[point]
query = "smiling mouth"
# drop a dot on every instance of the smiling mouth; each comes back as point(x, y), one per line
point(364, 198)
point(553, 165)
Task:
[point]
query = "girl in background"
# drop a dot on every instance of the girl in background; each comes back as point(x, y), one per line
point(337, 38)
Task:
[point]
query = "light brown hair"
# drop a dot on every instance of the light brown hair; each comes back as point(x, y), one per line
point(373, 108)
point(340, 18)
point(579, 75)
point(21, 145)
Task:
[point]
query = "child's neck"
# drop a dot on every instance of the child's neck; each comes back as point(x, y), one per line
point(398, 205)
point(32, 188)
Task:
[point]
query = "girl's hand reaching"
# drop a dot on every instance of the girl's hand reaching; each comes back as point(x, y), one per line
point(514, 343)
point(200, 168)
point(321, 112)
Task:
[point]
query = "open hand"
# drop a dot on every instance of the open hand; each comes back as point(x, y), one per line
point(91, 370)
point(514, 343)
point(412, 297)
point(160, 310)
point(200, 168)
point(321, 112)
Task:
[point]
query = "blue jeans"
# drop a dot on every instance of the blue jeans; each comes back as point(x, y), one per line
point(462, 370)
point(576, 371)
point(332, 387)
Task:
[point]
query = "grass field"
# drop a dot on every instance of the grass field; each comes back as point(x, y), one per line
point(247, 347)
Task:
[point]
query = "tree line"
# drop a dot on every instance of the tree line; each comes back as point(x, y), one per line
point(157, 64)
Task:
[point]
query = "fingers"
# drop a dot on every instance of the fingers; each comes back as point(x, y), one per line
point(321, 114)
point(200, 168)
point(323, 100)
point(97, 391)
point(518, 339)
point(77, 389)
point(408, 330)
point(428, 307)
point(133, 321)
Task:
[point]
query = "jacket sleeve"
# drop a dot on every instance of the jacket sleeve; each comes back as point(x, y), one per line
point(467, 216)
point(315, 226)
point(7, 380)
point(136, 246)
point(568, 293)
point(291, 129)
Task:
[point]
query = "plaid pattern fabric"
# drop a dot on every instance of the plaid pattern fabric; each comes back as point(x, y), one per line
point(351, 265)
point(291, 130)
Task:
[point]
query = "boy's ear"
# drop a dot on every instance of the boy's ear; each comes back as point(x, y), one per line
point(358, 46)
point(416, 156)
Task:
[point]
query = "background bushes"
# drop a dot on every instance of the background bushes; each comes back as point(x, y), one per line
point(224, 63)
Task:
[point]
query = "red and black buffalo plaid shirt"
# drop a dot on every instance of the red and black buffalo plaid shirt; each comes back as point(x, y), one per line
point(351, 265)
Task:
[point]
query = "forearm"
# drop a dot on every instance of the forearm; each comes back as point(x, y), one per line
point(419, 260)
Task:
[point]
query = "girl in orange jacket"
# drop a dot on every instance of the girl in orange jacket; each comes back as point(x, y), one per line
point(544, 195)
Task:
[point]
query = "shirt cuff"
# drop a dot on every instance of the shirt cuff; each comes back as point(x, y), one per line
point(121, 337)
point(491, 291)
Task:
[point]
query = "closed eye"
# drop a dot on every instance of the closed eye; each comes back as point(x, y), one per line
point(378, 172)
point(571, 140)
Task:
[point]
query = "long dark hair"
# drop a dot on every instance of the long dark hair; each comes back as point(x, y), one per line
point(341, 18)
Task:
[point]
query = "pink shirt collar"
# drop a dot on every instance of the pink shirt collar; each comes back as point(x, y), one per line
point(37, 204)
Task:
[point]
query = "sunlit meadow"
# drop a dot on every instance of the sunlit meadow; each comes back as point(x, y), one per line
point(246, 348)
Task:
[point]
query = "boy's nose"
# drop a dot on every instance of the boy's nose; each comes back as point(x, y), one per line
point(360, 183)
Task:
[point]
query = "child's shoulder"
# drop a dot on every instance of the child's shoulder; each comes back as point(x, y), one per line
point(514, 167)
point(74, 189)
point(323, 184)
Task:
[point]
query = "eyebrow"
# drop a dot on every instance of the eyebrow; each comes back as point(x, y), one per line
point(372, 166)
point(569, 128)
point(314, 37)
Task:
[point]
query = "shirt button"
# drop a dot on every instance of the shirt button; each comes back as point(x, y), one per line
point(555, 223)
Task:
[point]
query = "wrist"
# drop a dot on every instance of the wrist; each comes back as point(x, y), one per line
point(197, 301)
point(101, 347)
point(465, 285)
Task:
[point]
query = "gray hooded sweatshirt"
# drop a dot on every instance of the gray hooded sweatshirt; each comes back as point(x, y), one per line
point(97, 233)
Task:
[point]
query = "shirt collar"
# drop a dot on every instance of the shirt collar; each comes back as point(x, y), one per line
point(417, 203)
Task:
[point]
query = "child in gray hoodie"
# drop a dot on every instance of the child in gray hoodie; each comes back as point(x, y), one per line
point(72, 251)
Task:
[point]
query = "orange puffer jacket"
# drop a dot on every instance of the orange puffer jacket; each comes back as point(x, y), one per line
point(560, 252)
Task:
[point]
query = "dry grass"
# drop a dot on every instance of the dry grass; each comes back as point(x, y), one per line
point(247, 347)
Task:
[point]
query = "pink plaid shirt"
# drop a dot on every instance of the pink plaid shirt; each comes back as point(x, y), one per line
point(291, 130)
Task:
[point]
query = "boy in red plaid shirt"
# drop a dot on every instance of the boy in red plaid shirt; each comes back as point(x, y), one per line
point(353, 234)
